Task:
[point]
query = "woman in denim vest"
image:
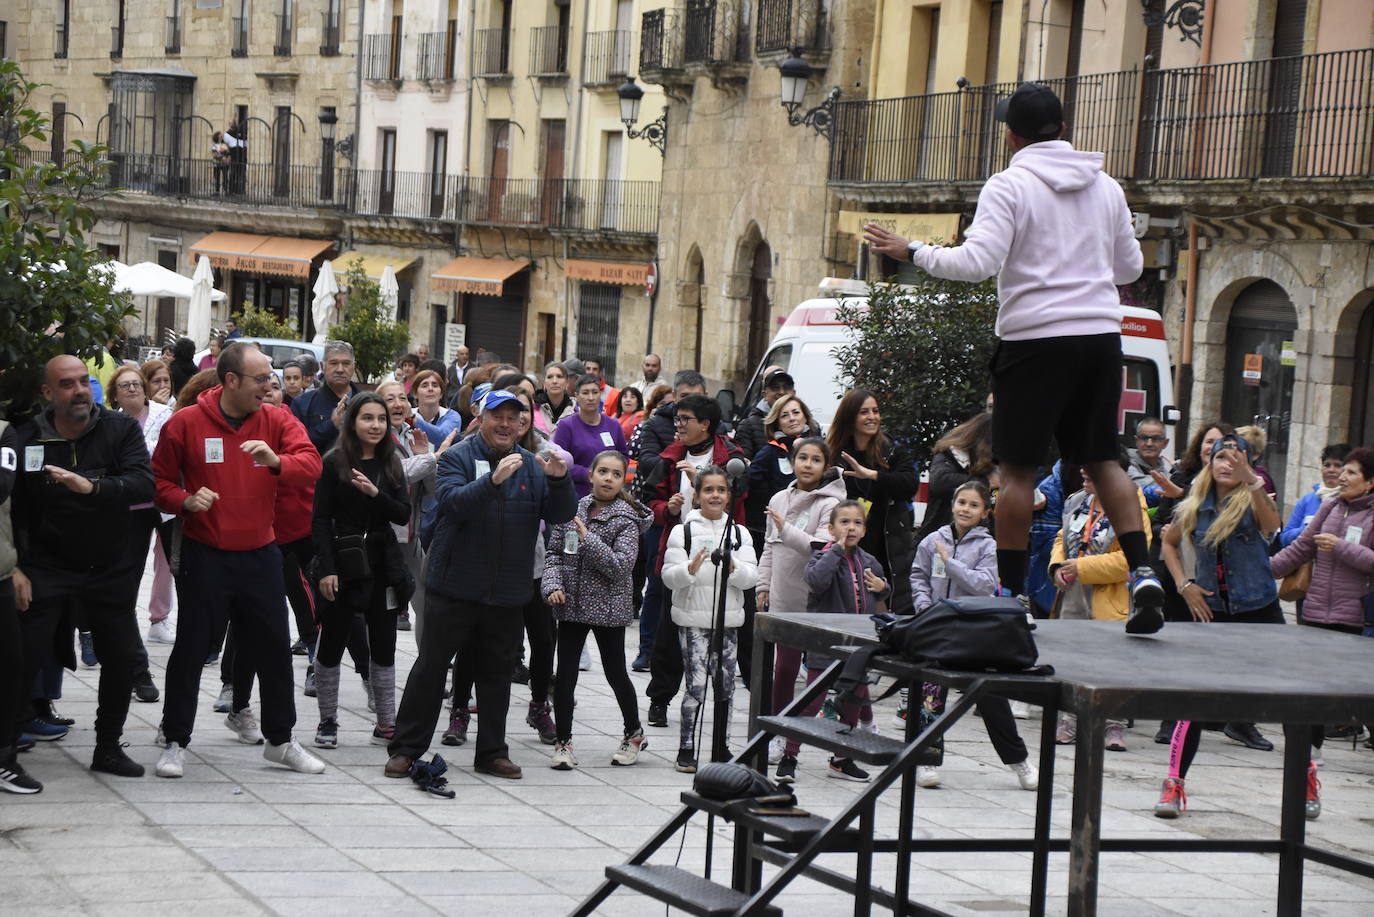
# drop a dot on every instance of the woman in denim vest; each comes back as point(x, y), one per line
point(1223, 527)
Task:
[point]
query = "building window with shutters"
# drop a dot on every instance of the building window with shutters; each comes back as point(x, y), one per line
point(598, 325)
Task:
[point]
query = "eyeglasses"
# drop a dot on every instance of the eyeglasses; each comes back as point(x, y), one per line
point(129, 386)
point(682, 421)
point(260, 380)
point(1151, 438)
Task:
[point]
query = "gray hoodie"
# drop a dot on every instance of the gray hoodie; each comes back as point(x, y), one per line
point(970, 570)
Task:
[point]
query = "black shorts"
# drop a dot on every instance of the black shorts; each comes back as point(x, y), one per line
point(1065, 387)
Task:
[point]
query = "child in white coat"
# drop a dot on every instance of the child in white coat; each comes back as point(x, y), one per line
point(696, 579)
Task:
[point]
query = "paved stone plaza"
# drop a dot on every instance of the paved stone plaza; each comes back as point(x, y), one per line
point(237, 835)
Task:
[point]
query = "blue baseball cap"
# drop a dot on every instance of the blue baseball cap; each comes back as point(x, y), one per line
point(480, 391)
point(1230, 441)
point(499, 397)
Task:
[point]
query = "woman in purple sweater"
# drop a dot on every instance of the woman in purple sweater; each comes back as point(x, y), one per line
point(588, 433)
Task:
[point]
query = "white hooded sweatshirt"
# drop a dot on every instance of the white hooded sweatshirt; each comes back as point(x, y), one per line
point(1057, 231)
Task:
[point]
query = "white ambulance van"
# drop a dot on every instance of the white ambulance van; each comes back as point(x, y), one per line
point(806, 342)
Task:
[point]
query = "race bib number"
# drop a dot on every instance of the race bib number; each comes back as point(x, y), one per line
point(1353, 534)
point(607, 440)
point(481, 467)
point(214, 451)
point(784, 465)
point(33, 458)
point(937, 567)
point(804, 520)
point(8, 460)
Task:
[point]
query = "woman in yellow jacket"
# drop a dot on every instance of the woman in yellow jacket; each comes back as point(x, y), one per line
point(1091, 574)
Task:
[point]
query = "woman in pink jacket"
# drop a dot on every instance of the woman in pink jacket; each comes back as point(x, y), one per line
point(1337, 540)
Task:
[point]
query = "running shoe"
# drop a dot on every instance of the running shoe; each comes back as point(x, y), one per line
point(686, 761)
point(1116, 737)
point(145, 692)
point(1147, 602)
point(630, 747)
point(172, 761)
point(245, 725)
point(403, 621)
point(540, 719)
point(457, 731)
point(382, 735)
point(1165, 735)
point(846, 769)
point(927, 776)
point(327, 734)
point(658, 714)
point(309, 689)
point(563, 758)
point(292, 755)
point(1314, 793)
point(300, 649)
point(44, 731)
point(161, 632)
point(1066, 732)
point(13, 779)
point(88, 658)
point(1026, 774)
point(1172, 799)
point(899, 718)
point(225, 702)
point(776, 749)
point(787, 769)
point(1020, 710)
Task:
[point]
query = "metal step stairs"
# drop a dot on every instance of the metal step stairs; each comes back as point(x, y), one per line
point(792, 842)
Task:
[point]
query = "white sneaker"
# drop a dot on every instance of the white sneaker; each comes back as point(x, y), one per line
point(172, 761)
point(927, 776)
point(161, 632)
point(293, 756)
point(775, 749)
point(225, 702)
point(870, 726)
point(563, 758)
point(630, 747)
point(1020, 710)
point(245, 725)
point(1026, 774)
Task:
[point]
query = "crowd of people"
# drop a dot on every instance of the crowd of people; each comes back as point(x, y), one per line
point(493, 511)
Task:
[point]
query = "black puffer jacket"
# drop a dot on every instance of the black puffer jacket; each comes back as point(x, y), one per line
point(652, 437)
point(889, 532)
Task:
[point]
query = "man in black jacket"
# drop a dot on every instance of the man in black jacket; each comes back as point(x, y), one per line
point(83, 467)
point(322, 409)
point(749, 435)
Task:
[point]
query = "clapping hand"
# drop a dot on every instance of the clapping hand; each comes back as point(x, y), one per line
point(855, 470)
point(873, 582)
point(1166, 485)
point(506, 467)
point(553, 464)
point(697, 561)
point(76, 483)
point(363, 483)
point(778, 520)
point(419, 442)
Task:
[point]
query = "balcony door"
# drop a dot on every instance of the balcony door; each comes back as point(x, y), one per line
point(1150, 90)
point(610, 197)
point(438, 164)
point(624, 37)
point(499, 158)
point(386, 180)
point(281, 152)
point(554, 140)
point(1285, 87)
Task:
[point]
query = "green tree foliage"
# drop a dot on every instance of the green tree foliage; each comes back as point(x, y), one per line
point(53, 298)
point(259, 323)
point(923, 348)
point(377, 341)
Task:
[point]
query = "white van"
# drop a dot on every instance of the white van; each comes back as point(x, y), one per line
point(805, 345)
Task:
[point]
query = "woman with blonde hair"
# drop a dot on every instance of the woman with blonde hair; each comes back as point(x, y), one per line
point(1225, 524)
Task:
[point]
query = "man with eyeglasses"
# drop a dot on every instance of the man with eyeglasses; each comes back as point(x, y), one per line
point(81, 467)
point(1148, 457)
point(217, 466)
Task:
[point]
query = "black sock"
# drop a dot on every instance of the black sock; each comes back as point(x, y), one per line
point(1011, 569)
point(1136, 549)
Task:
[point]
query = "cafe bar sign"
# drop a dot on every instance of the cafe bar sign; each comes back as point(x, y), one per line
point(623, 273)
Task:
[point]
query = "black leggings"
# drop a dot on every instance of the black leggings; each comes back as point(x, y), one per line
point(539, 628)
point(1181, 752)
point(610, 642)
point(336, 623)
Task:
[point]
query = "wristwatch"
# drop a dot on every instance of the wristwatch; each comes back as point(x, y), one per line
point(913, 245)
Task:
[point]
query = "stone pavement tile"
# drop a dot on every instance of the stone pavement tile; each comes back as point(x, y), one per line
point(351, 793)
point(553, 837)
point(500, 905)
point(999, 882)
point(297, 884)
point(658, 795)
point(599, 795)
point(219, 907)
point(256, 772)
point(139, 792)
point(639, 813)
point(1180, 884)
point(275, 859)
point(42, 811)
point(976, 820)
point(345, 906)
point(579, 882)
point(312, 815)
point(1255, 864)
point(535, 860)
point(197, 836)
point(247, 812)
point(17, 862)
point(27, 892)
point(510, 883)
point(178, 886)
point(347, 836)
point(94, 860)
point(1326, 888)
point(629, 837)
point(457, 812)
point(75, 835)
point(424, 859)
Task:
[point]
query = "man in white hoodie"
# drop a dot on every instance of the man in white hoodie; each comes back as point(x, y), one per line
point(1057, 232)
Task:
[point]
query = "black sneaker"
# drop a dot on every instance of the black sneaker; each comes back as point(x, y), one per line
point(145, 692)
point(658, 715)
point(846, 769)
point(111, 759)
point(521, 675)
point(47, 712)
point(1147, 602)
point(13, 779)
point(1247, 735)
point(1166, 733)
point(686, 761)
point(787, 769)
point(300, 649)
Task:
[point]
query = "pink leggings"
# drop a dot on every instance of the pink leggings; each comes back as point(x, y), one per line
point(850, 713)
point(787, 662)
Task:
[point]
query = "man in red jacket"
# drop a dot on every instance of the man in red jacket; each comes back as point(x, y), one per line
point(697, 445)
point(217, 465)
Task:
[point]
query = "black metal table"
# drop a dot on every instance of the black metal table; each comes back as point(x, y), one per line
point(1247, 673)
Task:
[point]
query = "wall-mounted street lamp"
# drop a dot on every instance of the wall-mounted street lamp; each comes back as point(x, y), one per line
point(656, 131)
point(795, 73)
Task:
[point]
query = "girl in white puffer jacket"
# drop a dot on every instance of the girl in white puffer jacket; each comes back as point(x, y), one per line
point(696, 582)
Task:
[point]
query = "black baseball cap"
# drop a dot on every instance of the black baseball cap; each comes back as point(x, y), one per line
point(1033, 111)
point(779, 377)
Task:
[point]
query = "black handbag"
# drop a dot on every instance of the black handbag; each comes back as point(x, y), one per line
point(350, 557)
point(969, 634)
point(731, 780)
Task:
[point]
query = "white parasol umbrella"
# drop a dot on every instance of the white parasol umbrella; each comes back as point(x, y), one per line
point(148, 279)
point(198, 315)
point(391, 293)
point(326, 288)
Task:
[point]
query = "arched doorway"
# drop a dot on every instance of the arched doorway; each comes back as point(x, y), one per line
point(1362, 380)
point(760, 309)
point(692, 302)
point(1260, 368)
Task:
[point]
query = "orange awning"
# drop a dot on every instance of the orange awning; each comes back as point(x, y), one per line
point(241, 251)
point(477, 275)
point(629, 274)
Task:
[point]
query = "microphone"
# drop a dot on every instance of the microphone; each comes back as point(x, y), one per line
point(735, 471)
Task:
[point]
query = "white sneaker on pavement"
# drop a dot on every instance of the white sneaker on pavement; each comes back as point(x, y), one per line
point(225, 702)
point(928, 776)
point(245, 726)
point(161, 632)
point(1026, 774)
point(293, 756)
point(1020, 710)
point(172, 761)
point(775, 749)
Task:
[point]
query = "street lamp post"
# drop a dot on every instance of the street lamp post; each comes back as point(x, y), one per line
point(656, 131)
point(795, 73)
